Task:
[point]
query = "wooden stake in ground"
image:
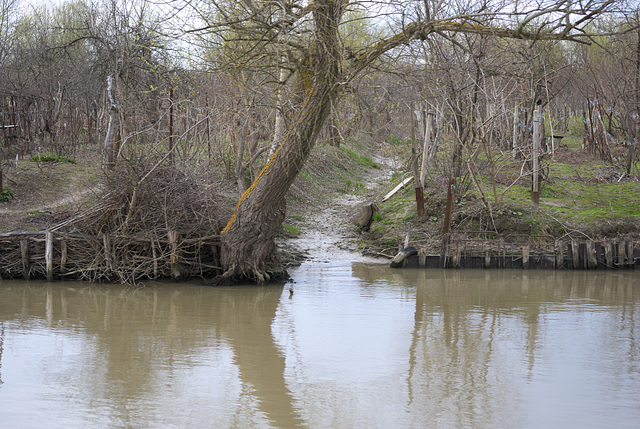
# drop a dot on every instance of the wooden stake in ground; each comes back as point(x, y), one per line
point(418, 187)
point(171, 124)
point(109, 140)
point(426, 149)
point(24, 251)
point(515, 131)
point(449, 208)
point(414, 164)
point(537, 135)
point(48, 255)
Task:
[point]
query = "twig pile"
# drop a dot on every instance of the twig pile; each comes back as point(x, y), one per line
point(163, 225)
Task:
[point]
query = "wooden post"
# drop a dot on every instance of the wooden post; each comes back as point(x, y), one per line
point(208, 128)
point(155, 259)
point(414, 164)
point(106, 242)
point(487, 257)
point(170, 124)
point(592, 261)
point(109, 140)
point(608, 254)
point(559, 248)
point(48, 255)
point(537, 136)
point(426, 149)
point(173, 242)
point(574, 255)
point(622, 254)
point(86, 105)
point(63, 256)
point(444, 250)
point(630, 260)
point(422, 257)
point(419, 190)
point(515, 131)
point(526, 250)
point(24, 251)
point(457, 257)
point(449, 207)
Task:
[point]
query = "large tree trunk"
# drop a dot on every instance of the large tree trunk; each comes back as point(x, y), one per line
point(248, 249)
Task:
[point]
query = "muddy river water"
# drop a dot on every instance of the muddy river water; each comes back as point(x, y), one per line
point(356, 345)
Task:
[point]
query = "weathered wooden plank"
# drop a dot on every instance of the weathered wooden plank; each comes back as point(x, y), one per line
point(608, 254)
point(630, 258)
point(63, 256)
point(592, 261)
point(559, 251)
point(155, 259)
point(487, 256)
point(173, 237)
point(48, 256)
point(422, 257)
point(401, 185)
point(24, 253)
point(621, 254)
point(575, 258)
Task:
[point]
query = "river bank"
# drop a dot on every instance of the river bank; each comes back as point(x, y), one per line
point(581, 199)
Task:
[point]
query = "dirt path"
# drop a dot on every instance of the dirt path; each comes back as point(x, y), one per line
point(329, 235)
point(42, 190)
point(75, 197)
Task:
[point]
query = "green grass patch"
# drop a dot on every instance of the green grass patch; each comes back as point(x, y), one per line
point(576, 125)
point(49, 157)
point(290, 229)
point(397, 141)
point(6, 195)
point(365, 161)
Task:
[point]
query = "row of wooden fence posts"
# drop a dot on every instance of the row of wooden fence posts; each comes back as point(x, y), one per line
point(174, 256)
point(588, 255)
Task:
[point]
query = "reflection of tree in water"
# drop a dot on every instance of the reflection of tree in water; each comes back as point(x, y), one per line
point(455, 353)
point(474, 341)
point(247, 324)
point(473, 330)
point(142, 340)
point(1, 349)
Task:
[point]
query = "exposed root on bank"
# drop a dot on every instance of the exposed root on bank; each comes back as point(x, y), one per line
point(233, 276)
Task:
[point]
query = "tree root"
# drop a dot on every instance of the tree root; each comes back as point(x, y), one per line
point(234, 276)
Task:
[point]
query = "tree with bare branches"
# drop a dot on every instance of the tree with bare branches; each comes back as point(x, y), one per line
point(321, 68)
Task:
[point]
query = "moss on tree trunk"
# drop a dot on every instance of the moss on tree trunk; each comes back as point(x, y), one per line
point(248, 249)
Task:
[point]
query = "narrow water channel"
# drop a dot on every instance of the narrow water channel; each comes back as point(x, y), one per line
point(356, 346)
